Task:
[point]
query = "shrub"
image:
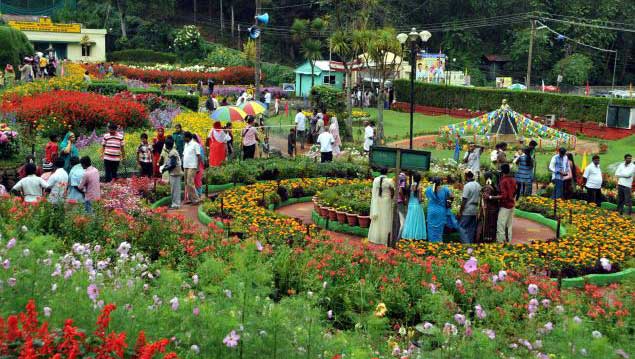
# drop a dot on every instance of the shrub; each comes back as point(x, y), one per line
point(277, 74)
point(218, 55)
point(107, 88)
point(142, 55)
point(578, 108)
point(14, 46)
point(189, 101)
point(230, 75)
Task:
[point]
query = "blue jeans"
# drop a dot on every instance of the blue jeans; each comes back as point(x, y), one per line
point(88, 206)
point(468, 229)
point(558, 191)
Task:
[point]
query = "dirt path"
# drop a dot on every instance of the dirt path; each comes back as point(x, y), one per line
point(426, 141)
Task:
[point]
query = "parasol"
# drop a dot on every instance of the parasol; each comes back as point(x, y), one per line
point(253, 108)
point(228, 113)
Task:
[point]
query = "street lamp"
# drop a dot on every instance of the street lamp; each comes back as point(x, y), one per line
point(416, 40)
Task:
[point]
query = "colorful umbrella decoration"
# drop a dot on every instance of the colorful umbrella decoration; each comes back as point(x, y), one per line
point(517, 87)
point(228, 113)
point(254, 108)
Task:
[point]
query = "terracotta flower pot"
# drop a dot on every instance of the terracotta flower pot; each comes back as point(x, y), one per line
point(364, 221)
point(341, 217)
point(316, 205)
point(352, 219)
point(324, 212)
point(332, 215)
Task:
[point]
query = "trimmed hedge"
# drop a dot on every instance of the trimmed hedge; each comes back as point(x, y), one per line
point(182, 98)
point(142, 56)
point(107, 88)
point(578, 108)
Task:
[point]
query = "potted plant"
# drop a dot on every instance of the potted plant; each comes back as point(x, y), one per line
point(362, 208)
point(351, 218)
point(341, 216)
point(332, 214)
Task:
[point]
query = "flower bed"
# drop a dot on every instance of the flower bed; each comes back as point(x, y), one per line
point(229, 75)
point(63, 109)
point(72, 80)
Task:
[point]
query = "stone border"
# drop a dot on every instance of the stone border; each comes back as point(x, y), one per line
point(539, 218)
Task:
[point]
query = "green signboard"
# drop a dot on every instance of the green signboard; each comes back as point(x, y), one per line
point(412, 160)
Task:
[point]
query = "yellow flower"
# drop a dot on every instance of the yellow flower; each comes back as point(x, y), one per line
point(380, 310)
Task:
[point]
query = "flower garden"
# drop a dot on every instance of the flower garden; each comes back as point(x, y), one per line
point(134, 280)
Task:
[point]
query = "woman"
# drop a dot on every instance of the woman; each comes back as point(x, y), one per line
point(570, 178)
point(198, 179)
point(381, 211)
point(9, 76)
point(334, 129)
point(68, 150)
point(157, 148)
point(439, 215)
point(164, 158)
point(217, 142)
point(525, 174)
point(74, 179)
point(415, 226)
point(488, 212)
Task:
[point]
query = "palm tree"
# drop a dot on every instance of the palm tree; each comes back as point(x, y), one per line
point(308, 34)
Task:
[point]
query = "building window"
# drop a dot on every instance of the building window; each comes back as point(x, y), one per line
point(329, 80)
point(86, 50)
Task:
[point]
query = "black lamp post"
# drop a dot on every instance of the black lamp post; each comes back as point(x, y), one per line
point(415, 39)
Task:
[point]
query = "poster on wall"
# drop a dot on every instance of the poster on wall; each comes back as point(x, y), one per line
point(431, 68)
point(503, 82)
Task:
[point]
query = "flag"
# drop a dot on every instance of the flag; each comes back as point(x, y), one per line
point(587, 90)
point(286, 108)
point(543, 85)
point(457, 149)
point(584, 161)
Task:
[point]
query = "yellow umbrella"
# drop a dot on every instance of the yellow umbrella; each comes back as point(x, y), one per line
point(584, 161)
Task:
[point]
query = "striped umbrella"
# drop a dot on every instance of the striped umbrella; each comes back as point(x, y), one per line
point(228, 113)
point(254, 108)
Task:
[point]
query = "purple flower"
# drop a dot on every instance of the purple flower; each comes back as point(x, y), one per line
point(495, 279)
point(231, 340)
point(228, 293)
point(542, 356)
point(433, 288)
point(196, 311)
point(47, 311)
point(545, 303)
point(470, 251)
point(606, 264)
point(259, 246)
point(11, 243)
point(459, 318)
point(502, 275)
point(577, 320)
point(470, 266)
point(480, 313)
point(490, 333)
point(532, 289)
point(427, 325)
point(449, 329)
point(6, 264)
point(468, 331)
point(621, 353)
point(329, 314)
point(11, 282)
point(174, 302)
point(548, 327)
point(93, 292)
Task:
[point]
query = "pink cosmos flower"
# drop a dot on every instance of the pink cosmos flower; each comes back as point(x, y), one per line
point(174, 302)
point(231, 340)
point(433, 288)
point(196, 311)
point(532, 289)
point(470, 266)
point(195, 279)
point(549, 326)
point(259, 246)
point(545, 303)
point(11, 243)
point(468, 331)
point(490, 333)
point(459, 318)
point(606, 264)
point(11, 282)
point(6, 264)
point(47, 311)
point(93, 292)
point(480, 313)
point(329, 314)
point(502, 275)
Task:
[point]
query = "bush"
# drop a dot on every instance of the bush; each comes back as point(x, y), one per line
point(14, 46)
point(218, 55)
point(578, 108)
point(107, 88)
point(230, 75)
point(142, 56)
point(278, 74)
point(189, 101)
point(329, 98)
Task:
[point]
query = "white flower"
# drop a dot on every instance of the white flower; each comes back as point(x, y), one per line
point(596, 334)
point(195, 279)
point(194, 348)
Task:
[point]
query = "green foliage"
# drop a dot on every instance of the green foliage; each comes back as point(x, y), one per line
point(183, 98)
point(329, 98)
point(107, 88)
point(220, 56)
point(142, 56)
point(188, 43)
point(574, 69)
point(14, 46)
point(579, 108)
point(277, 74)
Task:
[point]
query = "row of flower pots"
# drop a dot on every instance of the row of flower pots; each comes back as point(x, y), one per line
point(351, 219)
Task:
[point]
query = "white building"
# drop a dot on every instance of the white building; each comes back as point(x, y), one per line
point(68, 41)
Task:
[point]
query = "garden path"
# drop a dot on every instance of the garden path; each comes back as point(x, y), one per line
point(524, 231)
point(426, 141)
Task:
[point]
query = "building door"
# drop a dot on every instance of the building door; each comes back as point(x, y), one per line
point(59, 48)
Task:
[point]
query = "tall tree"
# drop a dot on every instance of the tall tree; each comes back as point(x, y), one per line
point(309, 34)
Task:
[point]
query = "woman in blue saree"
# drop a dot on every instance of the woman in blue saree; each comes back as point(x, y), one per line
point(439, 215)
point(68, 150)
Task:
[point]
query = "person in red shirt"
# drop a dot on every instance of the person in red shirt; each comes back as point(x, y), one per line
point(507, 187)
point(51, 152)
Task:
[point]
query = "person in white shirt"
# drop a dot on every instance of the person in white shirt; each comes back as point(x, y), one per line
point(326, 142)
point(593, 181)
point(268, 99)
point(300, 127)
point(559, 168)
point(191, 160)
point(624, 173)
point(241, 99)
point(58, 183)
point(472, 159)
point(369, 136)
point(31, 186)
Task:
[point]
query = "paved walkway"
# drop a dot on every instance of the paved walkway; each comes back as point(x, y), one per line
point(524, 231)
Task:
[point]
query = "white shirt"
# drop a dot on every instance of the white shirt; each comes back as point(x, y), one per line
point(32, 187)
point(191, 151)
point(474, 160)
point(625, 174)
point(58, 182)
point(268, 97)
point(215, 102)
point(556, 173)
point(326, 141)
point(593, 175)
point(220, 136)
point(369, 133)
point(300, 122)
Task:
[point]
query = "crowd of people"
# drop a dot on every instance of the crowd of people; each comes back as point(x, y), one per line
point(39, 65)
point(322, 130)
point(368, 97)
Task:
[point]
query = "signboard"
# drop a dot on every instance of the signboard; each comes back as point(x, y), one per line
point(288, 87)
point(620, 116)
point(503, 82)
point(410, 160)
point(45, 25)
point(430, 67)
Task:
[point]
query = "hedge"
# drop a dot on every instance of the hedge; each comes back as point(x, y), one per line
point(182, 98)
point(107, 88)
point(14, 46)
point(142, 56)
point(578, 108)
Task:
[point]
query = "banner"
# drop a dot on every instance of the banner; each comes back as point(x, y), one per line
point(45, 24)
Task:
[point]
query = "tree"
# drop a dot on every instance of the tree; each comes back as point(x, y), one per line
point(309, 35)
point(574, 69)
point(14, 46)
point(381, 59)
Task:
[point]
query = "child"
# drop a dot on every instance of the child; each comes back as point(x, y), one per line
point(51, 151)
point(291, 143)
point(144, 156)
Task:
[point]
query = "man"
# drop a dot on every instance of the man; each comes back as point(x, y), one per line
point(267, 100)
point(58, 183)
point(506, 213)
point(174, 168)
point(112, 152)
point(191, 160)
point(300, 127)
point(209, 104)
point(144, 156)
point(31, 185)
point(501, 156)
point(469, 208)
point(326, 142)
point(592, 178)
point(250, 139)
point(421, 74)
point(369, 136)
point(472, 159)
point(89, 184)
point(210, 86)
point(179, 142)
point(532, 149)
point(319, 125)
point(559, 167)
point(624, 174)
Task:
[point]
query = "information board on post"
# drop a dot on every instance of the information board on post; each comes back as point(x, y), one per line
point(410, 160)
